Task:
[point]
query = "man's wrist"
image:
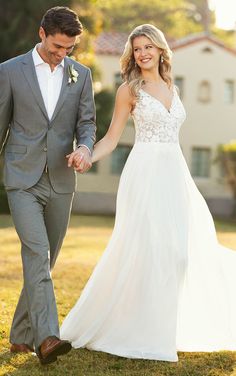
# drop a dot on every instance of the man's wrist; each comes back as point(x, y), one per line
point(80, 145)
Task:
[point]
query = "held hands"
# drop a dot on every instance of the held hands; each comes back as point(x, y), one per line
point(80, 159)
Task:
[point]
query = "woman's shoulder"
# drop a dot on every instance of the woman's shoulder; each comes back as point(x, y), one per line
point(124, 89)
point(124, 92)
point(125, 96)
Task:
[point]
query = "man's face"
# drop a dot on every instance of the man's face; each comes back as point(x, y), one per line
point(55, 47)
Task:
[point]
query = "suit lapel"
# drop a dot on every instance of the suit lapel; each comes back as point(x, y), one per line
point(31, 77)
point(64, 89)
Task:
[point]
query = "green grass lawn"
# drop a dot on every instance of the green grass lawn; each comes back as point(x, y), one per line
point(86, 239)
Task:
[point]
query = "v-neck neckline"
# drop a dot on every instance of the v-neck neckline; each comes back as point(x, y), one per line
point(156, 99)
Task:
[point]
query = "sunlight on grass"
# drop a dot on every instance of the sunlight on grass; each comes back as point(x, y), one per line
point(86, 239)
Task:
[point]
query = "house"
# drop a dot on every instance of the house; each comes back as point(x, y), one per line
point(204, 69)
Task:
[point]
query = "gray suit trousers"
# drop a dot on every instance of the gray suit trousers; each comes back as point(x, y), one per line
point(41, 218)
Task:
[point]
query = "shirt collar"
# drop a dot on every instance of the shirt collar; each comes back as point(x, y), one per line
point(38, 60)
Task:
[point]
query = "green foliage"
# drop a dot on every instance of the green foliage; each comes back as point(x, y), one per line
point(227, 36)
point(91, 18)
point(84, 53)
point(226, 156)
point(229, 148)
point(19, 24)
point(4, 208)
point(104, 101)
point(176, 18)
point(89, 15)
point(202, 13)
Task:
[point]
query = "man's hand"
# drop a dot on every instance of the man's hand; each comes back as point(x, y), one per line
point(80, 159)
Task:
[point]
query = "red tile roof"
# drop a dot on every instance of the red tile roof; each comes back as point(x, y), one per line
point(112, 43)
point(195, 38)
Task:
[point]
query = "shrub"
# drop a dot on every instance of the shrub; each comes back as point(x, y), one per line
point(227, 159)
point(104, 101)
point(4, 207)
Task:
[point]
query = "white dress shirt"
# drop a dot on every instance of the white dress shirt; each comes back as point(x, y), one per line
point(49, 81)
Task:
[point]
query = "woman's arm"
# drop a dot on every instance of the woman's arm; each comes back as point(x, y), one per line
point(122, 109)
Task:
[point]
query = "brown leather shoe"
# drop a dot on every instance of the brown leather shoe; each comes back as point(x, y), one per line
point(22, 348)
point(51, 348)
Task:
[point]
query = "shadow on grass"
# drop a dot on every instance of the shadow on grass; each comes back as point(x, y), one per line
point(90, 363)
point(75, 221)
point(91, 221)
point(108, 221)
point(5, 221)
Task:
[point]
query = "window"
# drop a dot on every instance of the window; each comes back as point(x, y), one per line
point(229, 91)
point(207, 50)
point(204, 92)
point(179, 82)
point(201, 159)
point(118, 158)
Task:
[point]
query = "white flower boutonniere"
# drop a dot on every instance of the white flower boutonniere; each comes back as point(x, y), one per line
point(73, 74)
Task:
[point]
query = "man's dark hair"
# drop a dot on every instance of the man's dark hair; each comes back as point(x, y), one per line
point(61, 20)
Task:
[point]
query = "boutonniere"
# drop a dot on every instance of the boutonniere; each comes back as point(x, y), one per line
point(73, 74)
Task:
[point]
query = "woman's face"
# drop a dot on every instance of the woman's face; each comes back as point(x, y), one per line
point(146, 54)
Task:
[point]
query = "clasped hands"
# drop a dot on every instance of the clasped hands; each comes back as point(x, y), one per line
point(80, 159)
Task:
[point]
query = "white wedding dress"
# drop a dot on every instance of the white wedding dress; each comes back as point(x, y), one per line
point(163, 283)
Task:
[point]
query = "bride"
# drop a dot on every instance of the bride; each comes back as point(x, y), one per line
point(163, 283)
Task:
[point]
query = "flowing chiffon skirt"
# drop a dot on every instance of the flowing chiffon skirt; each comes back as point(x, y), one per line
point(164, 283)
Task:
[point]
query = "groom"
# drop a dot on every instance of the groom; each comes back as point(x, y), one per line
point(46, 103)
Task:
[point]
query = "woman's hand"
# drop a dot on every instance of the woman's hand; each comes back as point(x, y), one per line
point(80, 159)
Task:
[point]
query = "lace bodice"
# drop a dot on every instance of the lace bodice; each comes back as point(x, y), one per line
point(153, 122)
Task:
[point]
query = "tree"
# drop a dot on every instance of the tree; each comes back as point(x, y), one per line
point(202, 14)
point(91, 19)
point(19, 24)
point(176, 18)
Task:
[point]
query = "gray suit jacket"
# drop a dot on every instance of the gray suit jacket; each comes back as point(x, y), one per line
point(31, 139)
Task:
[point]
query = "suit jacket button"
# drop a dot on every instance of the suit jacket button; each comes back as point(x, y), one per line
point(45, 149)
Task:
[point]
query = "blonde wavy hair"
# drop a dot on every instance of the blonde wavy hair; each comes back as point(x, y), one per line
point(131, 72)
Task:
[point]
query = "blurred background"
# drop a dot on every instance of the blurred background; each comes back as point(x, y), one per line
point(202, 36)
